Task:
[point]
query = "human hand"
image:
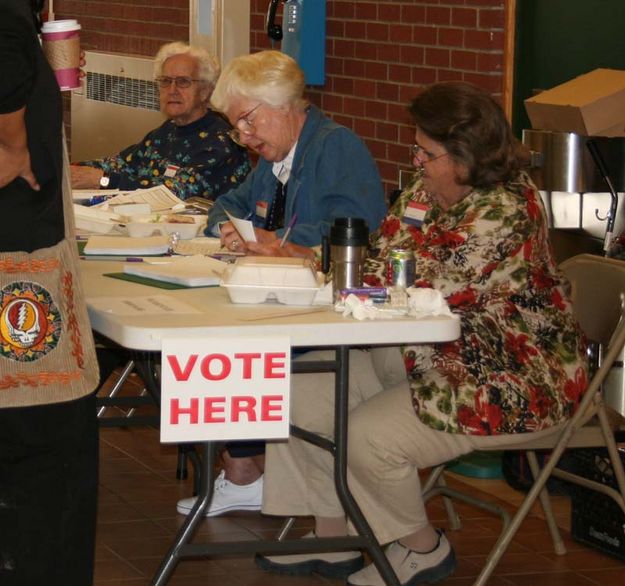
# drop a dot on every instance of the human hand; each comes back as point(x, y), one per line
point(15, 162)
point(85, 177)
point(230, 238)
point(273, 248)
point(265, 236)
point(82, 63)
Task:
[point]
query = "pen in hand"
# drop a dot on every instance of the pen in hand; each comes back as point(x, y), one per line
point(285, 237)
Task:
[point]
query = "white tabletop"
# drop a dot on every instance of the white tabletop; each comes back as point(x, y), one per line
point(306, 326)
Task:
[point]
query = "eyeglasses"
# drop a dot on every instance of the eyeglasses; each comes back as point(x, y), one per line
point(244, 125)
point(416, 150)
point(182, 82)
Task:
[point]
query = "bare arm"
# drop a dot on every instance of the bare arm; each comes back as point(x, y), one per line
point(14, 155)
point(84, 177)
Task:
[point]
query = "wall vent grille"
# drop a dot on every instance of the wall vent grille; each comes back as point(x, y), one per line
point(123, 91)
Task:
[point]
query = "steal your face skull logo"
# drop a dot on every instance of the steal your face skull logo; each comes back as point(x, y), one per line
point(22, 320)
point(30, 322)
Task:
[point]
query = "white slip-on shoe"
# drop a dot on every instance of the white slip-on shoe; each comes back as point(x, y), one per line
point(335, 564)
point(410, 566)
point(228, 496)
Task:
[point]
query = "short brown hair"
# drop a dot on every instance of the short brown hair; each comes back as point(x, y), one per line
point(473, 128)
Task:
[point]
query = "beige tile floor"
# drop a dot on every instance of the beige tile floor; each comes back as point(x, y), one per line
point(137, 521)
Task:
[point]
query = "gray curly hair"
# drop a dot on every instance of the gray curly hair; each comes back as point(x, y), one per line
point(208, 70)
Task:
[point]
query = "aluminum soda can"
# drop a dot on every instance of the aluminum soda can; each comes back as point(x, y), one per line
point(400, 268)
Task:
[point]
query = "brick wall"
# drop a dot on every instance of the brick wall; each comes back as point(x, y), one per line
point(377, 54)
point(138, 27)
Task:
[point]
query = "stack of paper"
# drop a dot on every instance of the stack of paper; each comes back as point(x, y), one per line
point(192, 271)
point(159, 198)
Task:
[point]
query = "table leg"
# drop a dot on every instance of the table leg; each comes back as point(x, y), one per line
point(148, 369)
point(341, 411)
point(196, 515)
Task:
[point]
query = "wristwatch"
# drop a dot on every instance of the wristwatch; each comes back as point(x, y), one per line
point(104, 181)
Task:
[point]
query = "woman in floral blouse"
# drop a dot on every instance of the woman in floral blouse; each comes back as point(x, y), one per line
point(477, 227)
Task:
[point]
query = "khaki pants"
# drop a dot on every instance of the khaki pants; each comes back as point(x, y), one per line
point(387, 446)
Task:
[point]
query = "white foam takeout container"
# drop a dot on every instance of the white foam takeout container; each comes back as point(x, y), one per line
point(256, 279)
point(144, 226)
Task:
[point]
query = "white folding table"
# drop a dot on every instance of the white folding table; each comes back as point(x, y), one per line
point(306, 327)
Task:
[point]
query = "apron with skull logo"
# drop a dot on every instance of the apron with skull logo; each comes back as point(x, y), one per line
point(47, 352)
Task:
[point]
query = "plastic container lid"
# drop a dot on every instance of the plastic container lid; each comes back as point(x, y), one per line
point(256, 279)
point(60, 26)
point(273, 271)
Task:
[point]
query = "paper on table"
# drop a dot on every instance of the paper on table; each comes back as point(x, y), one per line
point(244, 227)
point(152, 305)
point(124, 245)
point(192, 271)
point(160, 199)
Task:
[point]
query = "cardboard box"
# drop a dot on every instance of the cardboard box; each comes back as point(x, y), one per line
point(592, 104)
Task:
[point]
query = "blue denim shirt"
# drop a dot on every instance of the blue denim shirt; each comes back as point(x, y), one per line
point(333, 175)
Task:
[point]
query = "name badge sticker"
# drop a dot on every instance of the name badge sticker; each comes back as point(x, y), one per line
point(171, 170)
point(415, 213)
point(261, 209)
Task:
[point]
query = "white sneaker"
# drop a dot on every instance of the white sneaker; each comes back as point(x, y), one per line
point(411, 567)
point(228, 496)
point(333, 564)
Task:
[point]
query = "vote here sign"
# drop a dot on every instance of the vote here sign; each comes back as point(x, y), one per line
point(225, 388)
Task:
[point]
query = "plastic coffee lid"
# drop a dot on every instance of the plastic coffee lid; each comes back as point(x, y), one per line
point(60, 26)
point(349, 232)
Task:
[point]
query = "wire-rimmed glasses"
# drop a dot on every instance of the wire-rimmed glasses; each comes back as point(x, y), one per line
point(243, 125)
point(423, 156)
point(182, 82)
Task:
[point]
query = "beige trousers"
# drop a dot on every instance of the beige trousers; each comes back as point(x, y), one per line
point(387, 446)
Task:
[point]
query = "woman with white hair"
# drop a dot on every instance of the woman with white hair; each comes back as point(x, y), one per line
point(192, 153)
point(311, 168)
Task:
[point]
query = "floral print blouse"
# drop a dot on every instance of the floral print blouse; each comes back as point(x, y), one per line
point(196, 160)
point(520, 363)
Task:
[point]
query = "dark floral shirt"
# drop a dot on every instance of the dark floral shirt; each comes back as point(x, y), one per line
point(520, 363)
point(196, 160)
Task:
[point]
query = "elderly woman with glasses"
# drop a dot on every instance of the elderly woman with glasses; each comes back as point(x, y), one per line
point(192, 152)
point(311, 170)
point(477, 227)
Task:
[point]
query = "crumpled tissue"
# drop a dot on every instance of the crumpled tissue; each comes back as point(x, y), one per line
point(423, 302)
point(418, 303)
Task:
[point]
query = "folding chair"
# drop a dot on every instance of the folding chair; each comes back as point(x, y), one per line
point(598, 289)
